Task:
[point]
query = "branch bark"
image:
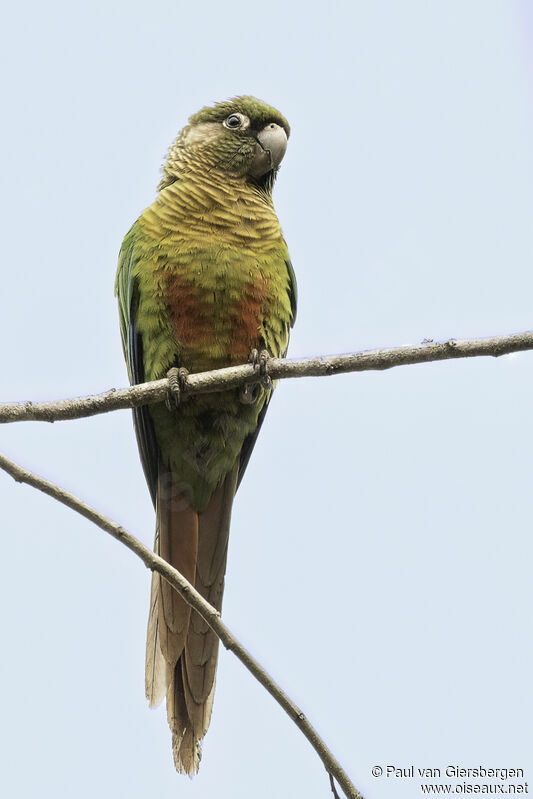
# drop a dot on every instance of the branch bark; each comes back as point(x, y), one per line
point(196, 601)
point(278, 369)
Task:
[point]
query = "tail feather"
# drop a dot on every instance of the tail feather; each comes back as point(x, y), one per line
point(178, 545)
point(156, 674)
point(214, 524)
point(182, 650)
point(199, 665)
point(186, 747)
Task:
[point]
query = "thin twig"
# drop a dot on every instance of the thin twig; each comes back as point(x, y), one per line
point(196, 601)
point(278, 369)
point(333, 788)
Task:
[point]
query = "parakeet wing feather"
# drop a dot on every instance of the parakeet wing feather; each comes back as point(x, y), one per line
point(249, 443)
point(293, 293)
point(128, 298)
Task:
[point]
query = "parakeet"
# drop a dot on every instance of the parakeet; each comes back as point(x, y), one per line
point(204, 279)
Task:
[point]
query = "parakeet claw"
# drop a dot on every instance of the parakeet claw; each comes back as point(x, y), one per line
point(176, 384)
point(266, 380)
point(250, 392)
point(253, 357)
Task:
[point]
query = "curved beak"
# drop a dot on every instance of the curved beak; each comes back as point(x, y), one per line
point(269, 150)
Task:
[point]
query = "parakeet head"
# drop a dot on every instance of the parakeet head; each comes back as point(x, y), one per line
point(242, 137)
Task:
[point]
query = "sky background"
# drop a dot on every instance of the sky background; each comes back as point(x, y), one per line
point(380, 554)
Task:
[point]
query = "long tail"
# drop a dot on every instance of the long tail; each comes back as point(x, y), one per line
point(181, 649)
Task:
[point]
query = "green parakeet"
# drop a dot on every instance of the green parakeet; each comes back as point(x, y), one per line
point(204, 279)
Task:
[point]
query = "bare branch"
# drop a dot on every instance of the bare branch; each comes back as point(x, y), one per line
point(196, 601)
point(278, 369)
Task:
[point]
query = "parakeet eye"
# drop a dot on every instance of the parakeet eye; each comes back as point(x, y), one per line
point(234, 121)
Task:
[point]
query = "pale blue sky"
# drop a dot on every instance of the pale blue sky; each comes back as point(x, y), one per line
point(406, 197)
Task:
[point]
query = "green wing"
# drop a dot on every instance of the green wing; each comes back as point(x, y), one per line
point(128, 301)
point(293, 291)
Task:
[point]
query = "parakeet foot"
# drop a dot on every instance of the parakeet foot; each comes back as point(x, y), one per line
point(176, 384)
point(266, 380)
point(250, 392)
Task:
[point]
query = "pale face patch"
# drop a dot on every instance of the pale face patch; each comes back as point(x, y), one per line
point(198, 135)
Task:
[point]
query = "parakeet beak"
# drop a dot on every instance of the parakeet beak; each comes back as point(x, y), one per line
point(269, 150)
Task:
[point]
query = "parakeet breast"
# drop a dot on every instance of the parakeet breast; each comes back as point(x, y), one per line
point(222, 304)
point(220, 268)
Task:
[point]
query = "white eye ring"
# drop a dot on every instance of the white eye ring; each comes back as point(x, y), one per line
point(235, 121)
